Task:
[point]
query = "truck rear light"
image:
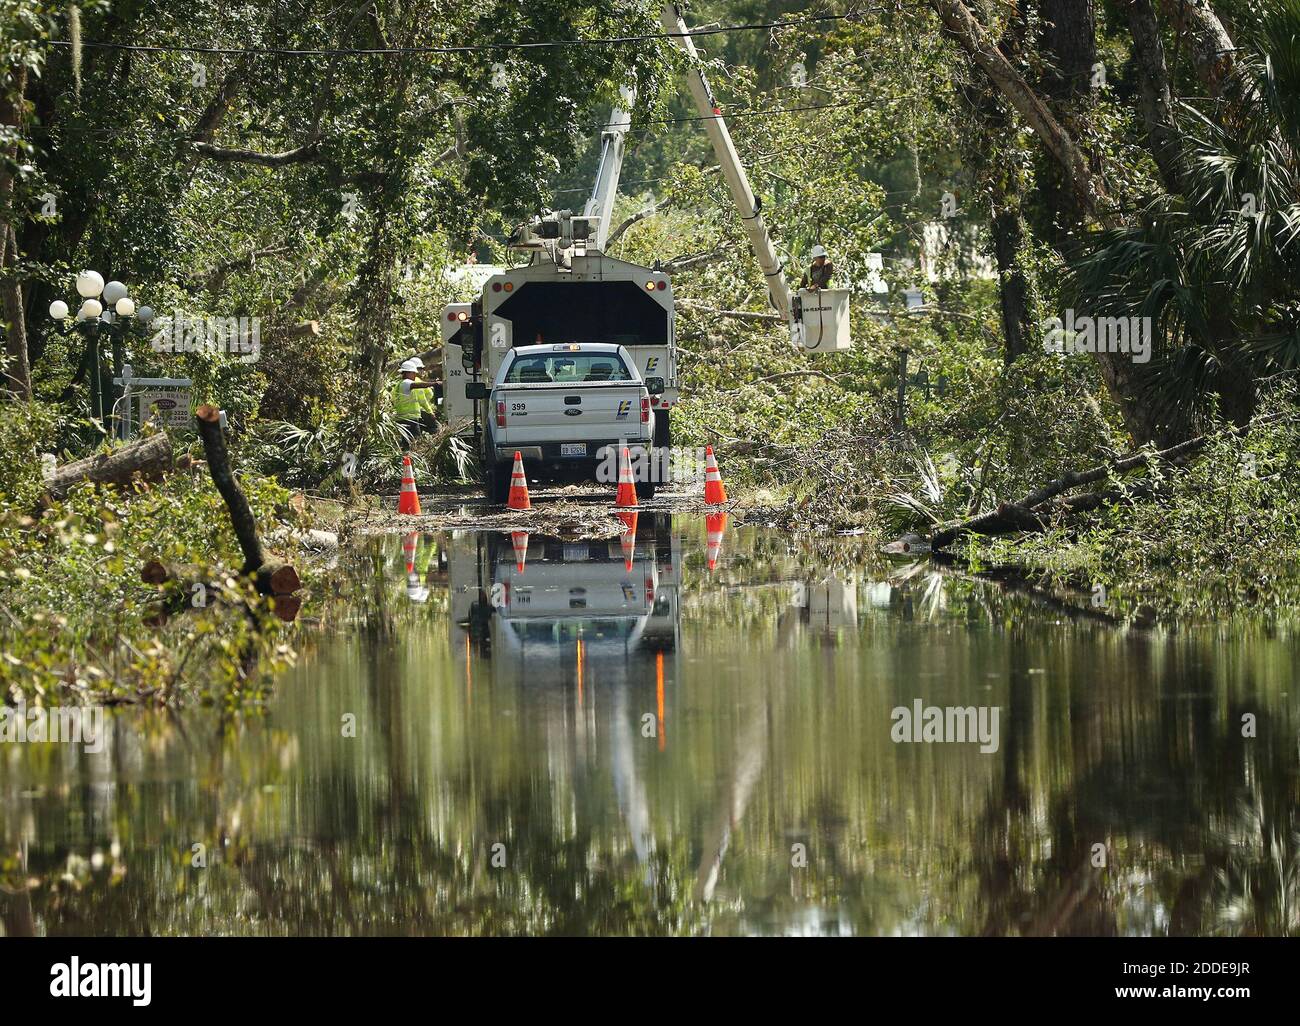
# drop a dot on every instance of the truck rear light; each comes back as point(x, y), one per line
point(661, 285)
point(645, 409)
point(501, 413)
point(654, 400)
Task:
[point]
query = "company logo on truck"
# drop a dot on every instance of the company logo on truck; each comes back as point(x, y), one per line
point(624, 408)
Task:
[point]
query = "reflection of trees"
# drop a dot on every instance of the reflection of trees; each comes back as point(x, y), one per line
point(1197, 820)
point(1125, 739)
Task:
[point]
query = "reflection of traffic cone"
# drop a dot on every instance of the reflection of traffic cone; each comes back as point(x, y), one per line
point(629, 538)
point(518, 486)
point(409, 500)
point(626, 489)
point(519, 539)
point(716, 524)
point(408, 548)
point(714, 491)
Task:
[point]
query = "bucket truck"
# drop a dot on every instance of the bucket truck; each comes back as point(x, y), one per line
point(571, 292)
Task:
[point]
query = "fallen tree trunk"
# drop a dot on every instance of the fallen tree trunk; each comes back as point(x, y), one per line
point(1036, 510)
point(147, 458)
point(272, 576)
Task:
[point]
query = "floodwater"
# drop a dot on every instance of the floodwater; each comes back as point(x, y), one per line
point(614, 741)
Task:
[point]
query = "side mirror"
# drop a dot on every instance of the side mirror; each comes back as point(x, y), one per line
point(654, 386)
point(476, 390)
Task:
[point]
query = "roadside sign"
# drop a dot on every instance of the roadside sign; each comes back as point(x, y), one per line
point(169, 407)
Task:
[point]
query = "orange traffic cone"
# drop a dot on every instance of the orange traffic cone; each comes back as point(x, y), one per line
point(409, 500)
point(716, 524)
point(408, 548)
point(629, 538)
point(519, 540)
point(626, 489)
point(715, 492)
point(518, 486)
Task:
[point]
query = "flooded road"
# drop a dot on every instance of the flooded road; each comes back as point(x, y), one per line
point(497, 734)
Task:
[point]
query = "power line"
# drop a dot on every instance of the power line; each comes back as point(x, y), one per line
point(642, 126)
point(469, 48)
point(727, 115)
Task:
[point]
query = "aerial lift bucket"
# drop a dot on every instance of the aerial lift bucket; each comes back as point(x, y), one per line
point(822, 325)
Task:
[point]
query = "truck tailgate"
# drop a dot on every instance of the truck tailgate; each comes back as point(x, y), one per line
point(570, 411)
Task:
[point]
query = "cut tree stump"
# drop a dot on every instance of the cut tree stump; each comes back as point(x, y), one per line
point(148, 459)
point(271, 575)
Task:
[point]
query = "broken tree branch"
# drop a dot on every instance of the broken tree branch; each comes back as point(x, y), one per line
point(786, 374)
point(741, 315)
point(232, 155)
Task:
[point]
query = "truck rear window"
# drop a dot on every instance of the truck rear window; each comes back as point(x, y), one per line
point(567, 367)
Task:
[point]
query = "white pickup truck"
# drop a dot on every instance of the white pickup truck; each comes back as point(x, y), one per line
point(563, 407)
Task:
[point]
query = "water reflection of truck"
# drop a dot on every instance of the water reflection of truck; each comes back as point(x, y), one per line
point(574, 604)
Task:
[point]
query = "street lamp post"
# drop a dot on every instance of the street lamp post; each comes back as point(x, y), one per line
point(96, 323)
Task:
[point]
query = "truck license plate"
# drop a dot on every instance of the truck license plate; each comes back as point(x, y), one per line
point(573, 448)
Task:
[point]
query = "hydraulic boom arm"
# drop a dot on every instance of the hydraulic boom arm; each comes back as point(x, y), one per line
point(613, 142)
point(732, 170)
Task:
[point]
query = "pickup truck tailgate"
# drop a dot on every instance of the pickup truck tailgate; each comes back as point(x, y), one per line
point(574, 411)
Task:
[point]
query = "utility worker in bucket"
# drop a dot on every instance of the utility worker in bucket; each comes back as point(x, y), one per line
point(819, 275)
point(413, 400)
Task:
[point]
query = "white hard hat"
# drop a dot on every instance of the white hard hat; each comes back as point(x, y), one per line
point(419, 364)
point(818, 251)
point(411, 366)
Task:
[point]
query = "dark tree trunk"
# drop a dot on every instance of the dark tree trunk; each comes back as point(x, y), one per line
point(1068, 41)
point(1154, 100)
point(1013, 286)
point(13, 88)
point(272, 576)
point(1003, 185)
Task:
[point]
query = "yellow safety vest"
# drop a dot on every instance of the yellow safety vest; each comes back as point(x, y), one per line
point(407, 405)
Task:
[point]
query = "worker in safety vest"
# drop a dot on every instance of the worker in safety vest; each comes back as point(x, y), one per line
point(819, 274)
point(413, 400)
